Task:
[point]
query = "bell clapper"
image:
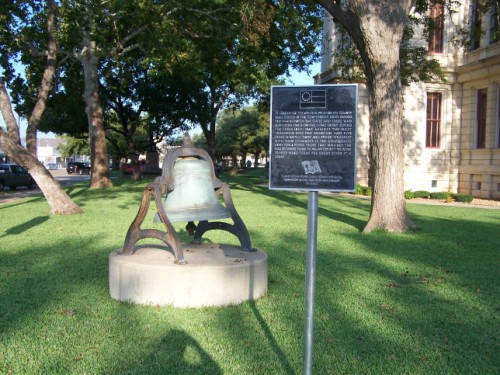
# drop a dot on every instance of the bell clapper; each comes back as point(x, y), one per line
point(191, 228)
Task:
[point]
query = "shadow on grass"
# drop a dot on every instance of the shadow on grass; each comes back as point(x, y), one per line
point(292, 200)
point(120, 193)
point(423, 302)
point(18, 229)
point(273, 344)
point(178, 353)
point(22, 201)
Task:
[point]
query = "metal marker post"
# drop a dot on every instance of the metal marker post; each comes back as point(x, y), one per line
point(300, 116)
point(312, 231)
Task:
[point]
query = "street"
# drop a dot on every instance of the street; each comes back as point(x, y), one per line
point(7, 195)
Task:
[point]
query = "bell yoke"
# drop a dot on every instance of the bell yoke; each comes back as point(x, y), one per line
point(188, 180)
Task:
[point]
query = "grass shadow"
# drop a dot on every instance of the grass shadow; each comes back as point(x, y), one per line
point(178, 353)
point(18, 229)
point(423, 302)
point(273, 344)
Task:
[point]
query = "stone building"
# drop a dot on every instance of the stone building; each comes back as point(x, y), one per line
point(452, 128)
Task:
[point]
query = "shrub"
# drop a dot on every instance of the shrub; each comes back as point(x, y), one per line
point(363, 190)
point(440, 195)
point(409, 194)
point(421, 194)
point(465, 198)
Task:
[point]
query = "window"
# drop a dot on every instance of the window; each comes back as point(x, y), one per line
point(476, 25)
point(482, 98)
point(436, 28)
point(498, 119)
point(495, 22)
point(433, 123)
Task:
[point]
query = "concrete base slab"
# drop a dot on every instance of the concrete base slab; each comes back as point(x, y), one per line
point(215, 275)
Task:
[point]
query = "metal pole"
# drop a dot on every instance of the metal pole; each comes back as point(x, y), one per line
point(312, 230)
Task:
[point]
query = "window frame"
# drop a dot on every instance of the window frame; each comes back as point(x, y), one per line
point(494, 22)
point(498, 117)
point(434, 122)
point(435, 43)
point(481, 118)
point(476, 25)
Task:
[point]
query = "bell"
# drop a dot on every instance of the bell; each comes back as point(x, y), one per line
point(193, 197)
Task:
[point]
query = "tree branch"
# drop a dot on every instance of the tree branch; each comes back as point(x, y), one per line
point(8, 114)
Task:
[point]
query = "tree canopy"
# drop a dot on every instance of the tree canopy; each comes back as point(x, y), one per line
point(242, 132)
point(177, 63)
point(57, 198)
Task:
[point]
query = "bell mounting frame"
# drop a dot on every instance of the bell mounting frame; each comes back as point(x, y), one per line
point(165, 184)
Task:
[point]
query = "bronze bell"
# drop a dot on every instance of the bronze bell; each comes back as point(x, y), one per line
point(192, 189)
point(193, 197)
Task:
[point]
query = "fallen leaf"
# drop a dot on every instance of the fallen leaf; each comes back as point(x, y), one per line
point(68, 312)
point(393, 285)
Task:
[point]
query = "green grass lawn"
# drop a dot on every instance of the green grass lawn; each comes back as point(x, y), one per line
point(424, 302)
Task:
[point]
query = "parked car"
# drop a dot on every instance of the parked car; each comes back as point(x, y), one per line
point(51, 166)
point(13, 175)
point(78, 167)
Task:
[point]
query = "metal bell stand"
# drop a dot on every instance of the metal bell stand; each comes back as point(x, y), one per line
point(164, 184)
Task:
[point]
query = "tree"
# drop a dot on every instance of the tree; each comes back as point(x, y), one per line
point(88, 26)
point(251, 44)
point(146, 94)
point(416, 64)
point(73, 146)
point(381, 33)
point(243, 132)
point(96, 30)
point(59, 202)
point(376, 28)
point(75, 40)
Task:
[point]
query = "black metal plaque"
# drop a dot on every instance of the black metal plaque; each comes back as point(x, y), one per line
point(313, 137)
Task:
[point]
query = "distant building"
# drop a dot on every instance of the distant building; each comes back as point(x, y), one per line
point(451, 129)
point(47, 151)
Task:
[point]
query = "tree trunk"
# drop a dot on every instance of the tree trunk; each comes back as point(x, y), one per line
point(383, 32)
point(8, 115)
point(45, 85)
point(208, 128)
point(97, 136)
point(136, 170)
point(257, 156)
point(234, 160)
point(209, 133)
point(388, 210)
point(376, 28)
point(59, 202)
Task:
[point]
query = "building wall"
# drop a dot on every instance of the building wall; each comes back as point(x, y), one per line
point(362, 136)
point(457, 165)
point(479, 170)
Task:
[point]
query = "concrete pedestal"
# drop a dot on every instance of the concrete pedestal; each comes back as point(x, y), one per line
point(215, 275)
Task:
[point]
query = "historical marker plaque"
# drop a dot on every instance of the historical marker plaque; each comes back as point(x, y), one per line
point(313, 137)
